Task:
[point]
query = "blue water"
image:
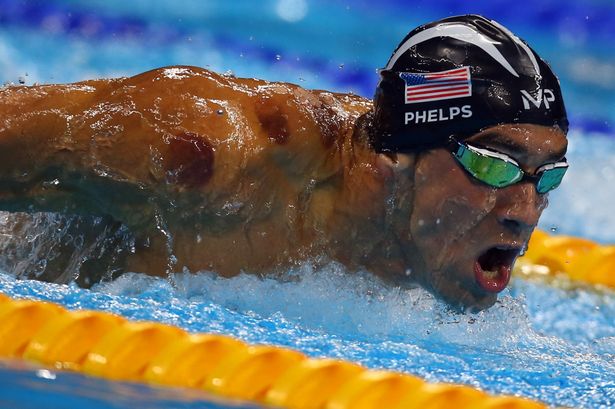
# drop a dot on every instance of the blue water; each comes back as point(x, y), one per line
point(28, 387)
point(541, 342)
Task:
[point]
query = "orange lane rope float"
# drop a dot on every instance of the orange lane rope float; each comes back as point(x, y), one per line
point(578, 259)
point(105, 345)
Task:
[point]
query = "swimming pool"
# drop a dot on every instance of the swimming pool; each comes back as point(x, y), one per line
point(541, 342)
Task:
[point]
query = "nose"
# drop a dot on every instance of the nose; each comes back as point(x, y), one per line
point(519, 207)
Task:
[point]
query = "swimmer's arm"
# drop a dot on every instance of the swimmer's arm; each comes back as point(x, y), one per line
point(47, 159)
point(40, 123)
point(103, 147)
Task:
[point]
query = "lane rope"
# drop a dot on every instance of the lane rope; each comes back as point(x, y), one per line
point(578, 259)
point(104, 345)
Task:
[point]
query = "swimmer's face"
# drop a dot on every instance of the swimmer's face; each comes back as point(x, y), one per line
point(466, 234)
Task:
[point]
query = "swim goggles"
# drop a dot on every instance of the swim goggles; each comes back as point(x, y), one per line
point(499, 170)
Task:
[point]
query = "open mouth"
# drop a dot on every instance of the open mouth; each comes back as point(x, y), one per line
point(492, 269)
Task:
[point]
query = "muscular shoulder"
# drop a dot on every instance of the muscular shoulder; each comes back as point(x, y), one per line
point(251, 127)
point(244, 115)
point(281, 110)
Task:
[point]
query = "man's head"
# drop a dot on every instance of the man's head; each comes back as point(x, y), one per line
point(484, 118)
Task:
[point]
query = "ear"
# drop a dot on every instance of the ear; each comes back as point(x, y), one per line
point(395, 162)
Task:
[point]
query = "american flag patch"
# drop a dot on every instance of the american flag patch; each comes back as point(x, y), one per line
point(436, 86)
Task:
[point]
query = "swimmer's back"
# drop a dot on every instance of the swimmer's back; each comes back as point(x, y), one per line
point(182, 129)
point(243, 119)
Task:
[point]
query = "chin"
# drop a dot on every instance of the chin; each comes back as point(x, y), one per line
point(460, 297)
point(469, 302)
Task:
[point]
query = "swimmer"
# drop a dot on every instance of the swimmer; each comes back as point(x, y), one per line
point(439, 181)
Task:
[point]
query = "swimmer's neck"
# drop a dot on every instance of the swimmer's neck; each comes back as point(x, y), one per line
point(374, 209)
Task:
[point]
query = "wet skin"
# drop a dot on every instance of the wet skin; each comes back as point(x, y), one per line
point(456, 218)
point(236, 175)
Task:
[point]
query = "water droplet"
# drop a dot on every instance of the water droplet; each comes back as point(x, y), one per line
point(408, 272)
point(553, 229)
point(45, 374)
point(341, 66)
point(278, 57)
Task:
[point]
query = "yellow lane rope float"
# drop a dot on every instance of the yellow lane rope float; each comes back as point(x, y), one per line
point(105, 345)
point(578, 259)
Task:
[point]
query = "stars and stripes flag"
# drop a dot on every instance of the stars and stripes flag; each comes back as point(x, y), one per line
point(435, 86)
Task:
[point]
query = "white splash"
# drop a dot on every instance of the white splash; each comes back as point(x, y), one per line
point(177, 73)
point(332, 299)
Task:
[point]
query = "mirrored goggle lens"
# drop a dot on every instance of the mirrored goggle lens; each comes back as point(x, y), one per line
point(550, 179)
point(490, 170)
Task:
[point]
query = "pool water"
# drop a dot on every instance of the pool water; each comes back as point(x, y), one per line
point(541, 342)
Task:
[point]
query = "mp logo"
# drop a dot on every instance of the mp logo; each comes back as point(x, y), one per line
point(543, 96)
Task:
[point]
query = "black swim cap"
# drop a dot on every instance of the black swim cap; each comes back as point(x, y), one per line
point(457, 76)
